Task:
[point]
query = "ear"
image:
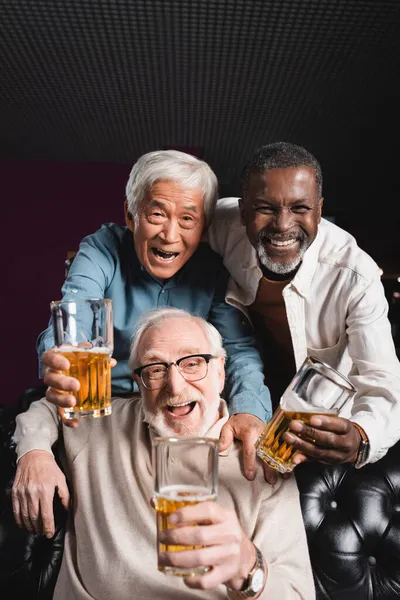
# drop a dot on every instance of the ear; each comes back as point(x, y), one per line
point(320, 203)
point(221, 373)
point(241, 209)
point(129, 220)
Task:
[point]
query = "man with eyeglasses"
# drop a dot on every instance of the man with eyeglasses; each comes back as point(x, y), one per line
point(110, 545)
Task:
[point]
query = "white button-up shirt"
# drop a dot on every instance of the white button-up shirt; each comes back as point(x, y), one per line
point(336, 310)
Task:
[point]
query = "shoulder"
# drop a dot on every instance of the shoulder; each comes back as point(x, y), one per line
point(339, 248)
point(109, 234)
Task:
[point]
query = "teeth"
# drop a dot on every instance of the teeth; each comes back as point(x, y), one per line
point(164, 255)
point(286, 243)
point(182, 404)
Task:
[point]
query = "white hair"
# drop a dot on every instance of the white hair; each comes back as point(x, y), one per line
point(159, 315)
point(171, 165)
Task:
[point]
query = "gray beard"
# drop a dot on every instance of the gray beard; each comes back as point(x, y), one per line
point(274, 266)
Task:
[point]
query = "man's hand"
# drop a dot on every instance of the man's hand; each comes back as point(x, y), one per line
point(61, 387)
point(336, 440)
point(225, 546)
point(246, 428)
point(38, 477)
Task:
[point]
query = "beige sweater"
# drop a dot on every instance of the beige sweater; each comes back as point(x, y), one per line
point(110, 544)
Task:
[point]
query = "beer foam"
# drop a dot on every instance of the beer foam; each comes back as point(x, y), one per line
point(100, 350)
point(292, 402)
point(189, 493)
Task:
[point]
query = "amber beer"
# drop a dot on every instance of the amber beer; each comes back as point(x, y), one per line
point(167, 501)
point(270, 445)
point(91, 366)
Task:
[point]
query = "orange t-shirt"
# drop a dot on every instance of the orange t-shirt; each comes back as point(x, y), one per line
point(268, 314)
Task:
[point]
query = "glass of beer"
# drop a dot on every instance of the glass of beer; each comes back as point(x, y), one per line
point(83, 333)
point(316, 389)
point(185, 472)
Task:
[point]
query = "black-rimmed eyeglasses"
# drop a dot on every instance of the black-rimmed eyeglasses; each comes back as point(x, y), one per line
point(192, 368)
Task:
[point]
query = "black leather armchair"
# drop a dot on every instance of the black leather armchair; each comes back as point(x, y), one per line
point(352, 518)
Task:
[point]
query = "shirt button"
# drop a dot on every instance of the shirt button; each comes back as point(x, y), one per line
point(333, 504)
point(245, 265)
point(163, 291)
point(371, 561)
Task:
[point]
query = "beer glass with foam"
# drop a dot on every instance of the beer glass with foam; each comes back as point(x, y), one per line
point(316, 389)
point(83, 333)
point(185, 472)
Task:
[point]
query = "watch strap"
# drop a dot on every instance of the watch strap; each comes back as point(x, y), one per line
point(248, 592)
point(363, 448)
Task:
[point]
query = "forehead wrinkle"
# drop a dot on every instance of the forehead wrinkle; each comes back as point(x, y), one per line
point(153, 356)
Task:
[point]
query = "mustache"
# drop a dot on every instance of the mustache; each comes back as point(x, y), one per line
point(183, 398)
point(264, 236)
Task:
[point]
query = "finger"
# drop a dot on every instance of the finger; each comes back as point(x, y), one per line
point(113, 362)
point(326, 439)
point(25, 516)
point(63, 493)
point(65, 400)
point(297, 459)
point(47, 527)
point(270, 474)
point(33, 511)
point(314, 451)
point(16, 508)
point(226, 437)
point(59, 381)
point(205, 535)
point(333, 424)
point(211, 555)
point(54, 360)
point(204, 512)
point(249, 455)
point(209, 580)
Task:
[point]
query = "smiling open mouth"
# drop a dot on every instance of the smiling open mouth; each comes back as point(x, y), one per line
point(181, 410)
point(283, 243)
point(164, 255)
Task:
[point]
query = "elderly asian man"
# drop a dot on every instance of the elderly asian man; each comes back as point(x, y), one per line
point(157, 260)
point(253, 536)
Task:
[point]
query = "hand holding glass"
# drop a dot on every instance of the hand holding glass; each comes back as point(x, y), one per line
point(316, 389)
point(185, 472)
point(83, 333)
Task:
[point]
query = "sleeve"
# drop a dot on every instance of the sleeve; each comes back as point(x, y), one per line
point(281, 538)
point(37, 428)
point(245, 389)
point(89, 277)
point(376, 368)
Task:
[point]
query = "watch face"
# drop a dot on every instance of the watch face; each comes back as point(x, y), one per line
point(257, 580)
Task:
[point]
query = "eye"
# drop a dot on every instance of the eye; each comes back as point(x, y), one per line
point(155, 371)
point(300, 209)
point(264, 210)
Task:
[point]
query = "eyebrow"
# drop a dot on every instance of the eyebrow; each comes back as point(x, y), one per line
point(150, 356)
point(273, 202)
point(164, 205)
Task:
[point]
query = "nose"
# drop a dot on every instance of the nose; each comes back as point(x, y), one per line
point(283, 220)
point(175, 382)
point(170, 231)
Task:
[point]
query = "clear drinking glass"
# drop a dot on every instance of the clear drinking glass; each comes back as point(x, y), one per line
point(83, 333)
point(316, 389)
point(185, 472)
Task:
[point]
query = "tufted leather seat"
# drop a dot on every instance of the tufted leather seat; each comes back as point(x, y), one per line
point(352, 518)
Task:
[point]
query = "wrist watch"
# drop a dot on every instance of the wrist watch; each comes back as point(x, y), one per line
point(255, 580)
point(363, 449)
